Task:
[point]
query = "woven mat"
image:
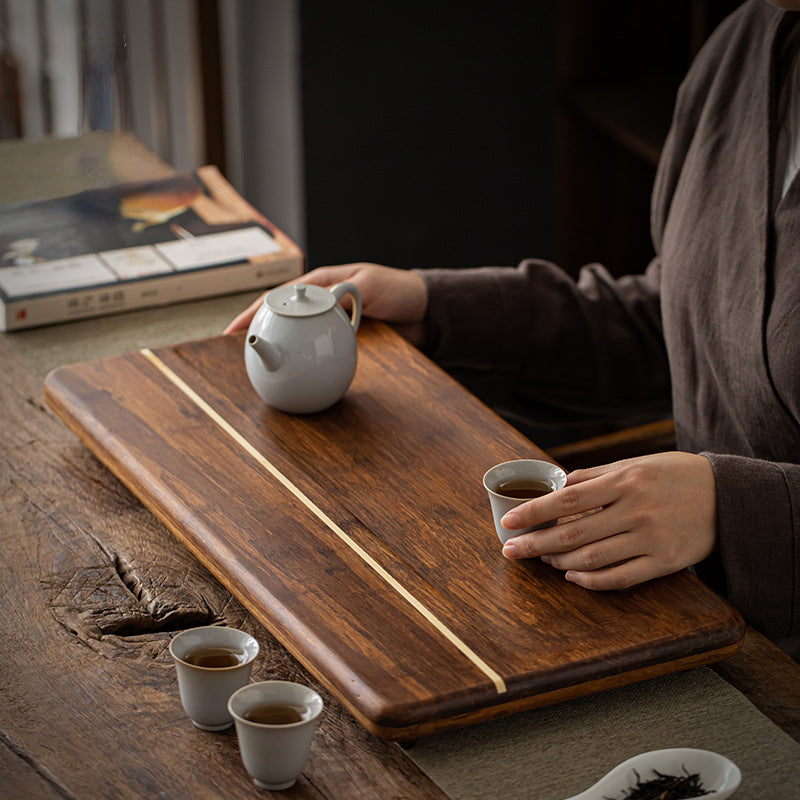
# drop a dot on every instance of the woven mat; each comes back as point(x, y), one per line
point(555, 752)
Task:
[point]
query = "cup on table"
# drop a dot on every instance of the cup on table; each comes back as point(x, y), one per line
point(515, 482)
point(275, 721)
point(212, 663)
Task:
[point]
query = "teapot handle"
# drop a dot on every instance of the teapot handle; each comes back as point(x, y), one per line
point(340, 290)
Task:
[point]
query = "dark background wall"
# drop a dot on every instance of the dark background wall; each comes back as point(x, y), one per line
point(428, 131)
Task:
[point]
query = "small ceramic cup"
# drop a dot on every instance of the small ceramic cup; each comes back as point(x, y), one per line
point(276, 741)
point(543, 472)
point(212, 663)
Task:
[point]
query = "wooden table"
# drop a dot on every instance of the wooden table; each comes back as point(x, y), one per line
point(92, 587)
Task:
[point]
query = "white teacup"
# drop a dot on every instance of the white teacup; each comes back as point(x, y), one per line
point(212, 663)
point(551, 476)
point(276, 741)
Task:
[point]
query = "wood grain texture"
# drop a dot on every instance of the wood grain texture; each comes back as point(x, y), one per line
point(93, 587)
point(389, 475)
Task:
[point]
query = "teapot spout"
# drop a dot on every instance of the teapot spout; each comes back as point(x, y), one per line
point(269, 353)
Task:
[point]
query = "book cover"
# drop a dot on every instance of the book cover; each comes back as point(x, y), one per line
point(135, 245)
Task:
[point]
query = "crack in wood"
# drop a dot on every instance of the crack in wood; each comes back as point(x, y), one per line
point(31, 762)
point(119, 600)
point(39, 406)
point(96, 589)
point(130, 579)
point(112, 599)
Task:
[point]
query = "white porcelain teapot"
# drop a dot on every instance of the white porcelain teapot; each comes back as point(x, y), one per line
point(300, 352)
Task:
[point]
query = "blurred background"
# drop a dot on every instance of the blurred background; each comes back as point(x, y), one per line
point(412, 134)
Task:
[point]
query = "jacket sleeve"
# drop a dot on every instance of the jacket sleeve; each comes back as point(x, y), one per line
point(533, 341)
point(758, 520)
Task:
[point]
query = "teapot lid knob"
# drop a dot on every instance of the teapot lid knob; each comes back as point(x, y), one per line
point(300, 300)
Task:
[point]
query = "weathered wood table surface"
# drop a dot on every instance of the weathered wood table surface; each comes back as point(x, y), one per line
point(92, 587)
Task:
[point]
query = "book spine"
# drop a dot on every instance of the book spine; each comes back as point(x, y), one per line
point(98, 301)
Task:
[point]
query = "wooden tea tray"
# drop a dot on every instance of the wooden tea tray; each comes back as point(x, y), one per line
point(362, 536)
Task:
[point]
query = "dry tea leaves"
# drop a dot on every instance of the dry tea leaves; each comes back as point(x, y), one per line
point(666, 787)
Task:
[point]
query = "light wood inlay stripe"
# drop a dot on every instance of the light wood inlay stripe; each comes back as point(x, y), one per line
point(467, 651)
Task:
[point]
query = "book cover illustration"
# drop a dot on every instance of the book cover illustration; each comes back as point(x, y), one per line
point(131, 231)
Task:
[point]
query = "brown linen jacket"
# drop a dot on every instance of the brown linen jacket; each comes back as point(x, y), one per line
point(710, 329)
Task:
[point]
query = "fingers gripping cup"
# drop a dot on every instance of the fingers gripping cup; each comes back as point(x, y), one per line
point(515, 482)
point(275, 721)
point(212, 663)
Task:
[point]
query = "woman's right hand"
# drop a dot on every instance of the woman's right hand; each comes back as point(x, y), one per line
point(396, 296)
point(624, 523)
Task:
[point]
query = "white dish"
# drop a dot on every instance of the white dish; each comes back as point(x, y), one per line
point(718, 774)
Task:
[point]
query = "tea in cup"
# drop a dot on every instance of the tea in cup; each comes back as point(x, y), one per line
point(275, 722)
point(212, 662)
point(515, 482)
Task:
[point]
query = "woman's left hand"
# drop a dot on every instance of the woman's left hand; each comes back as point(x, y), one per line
point(640, 519)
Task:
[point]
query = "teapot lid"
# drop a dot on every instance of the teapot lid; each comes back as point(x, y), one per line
point(300, 300)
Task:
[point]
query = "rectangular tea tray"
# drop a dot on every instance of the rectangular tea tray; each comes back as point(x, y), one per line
point(362, 538)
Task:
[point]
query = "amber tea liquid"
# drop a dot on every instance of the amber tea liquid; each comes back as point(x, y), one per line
point(523, 488)
point(275, 714)
point(215, 656)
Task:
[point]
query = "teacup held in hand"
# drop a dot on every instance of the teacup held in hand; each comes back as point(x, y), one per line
point(515, 482)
